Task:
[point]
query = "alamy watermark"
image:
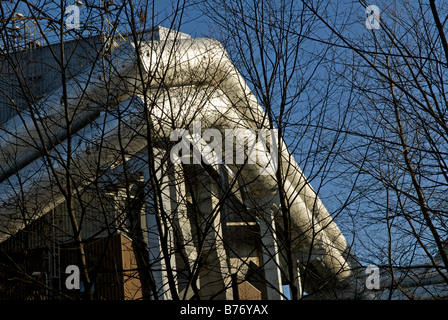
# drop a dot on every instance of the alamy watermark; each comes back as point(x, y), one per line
point(373, 18)
point(73, 281)
point(373, 277)
point(241, 146)
point(73, 12)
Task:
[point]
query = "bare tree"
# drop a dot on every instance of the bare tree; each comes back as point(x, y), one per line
point(395, 156)
point(119, 145)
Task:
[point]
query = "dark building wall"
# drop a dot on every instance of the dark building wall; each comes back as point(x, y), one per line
point(27, 75)
point(110, 260)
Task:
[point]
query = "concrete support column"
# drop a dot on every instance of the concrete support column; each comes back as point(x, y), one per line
point(185, 233)
point(180, 237)
point(271, 259)
point(215, 276)
point(219, 225)
point(157, 258)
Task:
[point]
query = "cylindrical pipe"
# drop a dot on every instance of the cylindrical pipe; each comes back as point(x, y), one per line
point(25, 136)
point(170, 64)
point(32, 192)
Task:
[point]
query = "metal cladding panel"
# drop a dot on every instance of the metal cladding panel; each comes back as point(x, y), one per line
point(191, 62)
point(111, 261)
point(14, 284)
point(104, 263)
point(132, 287)
point(39, 73)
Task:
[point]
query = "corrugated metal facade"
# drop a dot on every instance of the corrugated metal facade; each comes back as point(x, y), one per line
point(47, 246)
point(110, 260)
point(27, 75)
point(97, 215)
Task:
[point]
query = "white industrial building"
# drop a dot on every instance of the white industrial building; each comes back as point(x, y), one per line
point(124, 112)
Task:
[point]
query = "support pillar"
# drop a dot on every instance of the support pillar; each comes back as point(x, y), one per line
point(271, 259)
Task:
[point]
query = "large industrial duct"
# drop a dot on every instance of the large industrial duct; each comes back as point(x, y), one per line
point(169, 67)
